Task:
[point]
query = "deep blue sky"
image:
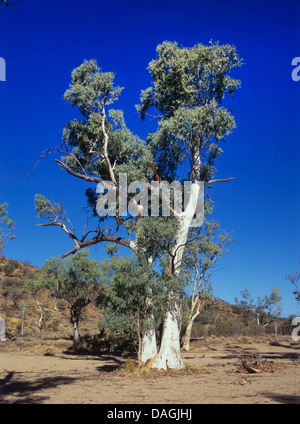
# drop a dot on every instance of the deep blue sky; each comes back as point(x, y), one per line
point(42, 41)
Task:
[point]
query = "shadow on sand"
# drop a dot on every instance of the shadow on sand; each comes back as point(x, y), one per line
point(14, 391)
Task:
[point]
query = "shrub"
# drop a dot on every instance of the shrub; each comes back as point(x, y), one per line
point(9, 268)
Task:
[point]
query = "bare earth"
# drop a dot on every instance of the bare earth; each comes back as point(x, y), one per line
point(44, 377)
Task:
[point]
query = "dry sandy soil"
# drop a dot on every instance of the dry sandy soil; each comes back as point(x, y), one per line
point(48, 375)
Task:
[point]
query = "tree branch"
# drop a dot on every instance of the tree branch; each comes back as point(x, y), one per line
point(81, 244)
point(110, 169)
point(63, 227)
point(78, 175)
point(99, 239)
point(219, 180)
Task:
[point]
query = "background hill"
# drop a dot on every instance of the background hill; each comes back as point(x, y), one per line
point(22, 313)
point(21, 310)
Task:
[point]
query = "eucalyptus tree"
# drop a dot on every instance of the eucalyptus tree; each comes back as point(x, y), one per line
point(7, 227)
point(265, 310)
point(189, 85)
point(185, 98)
point(76, 280)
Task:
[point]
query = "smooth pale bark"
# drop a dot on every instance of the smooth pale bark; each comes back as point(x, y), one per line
point(187, 335)
point(148, 348)
point(41, 319)
point(76, 338)
point(196, 308)
point(169, 355)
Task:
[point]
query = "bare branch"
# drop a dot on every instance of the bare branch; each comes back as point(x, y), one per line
point(99, 239)
point(63, 227)
point(219, 180)
point(78, 175)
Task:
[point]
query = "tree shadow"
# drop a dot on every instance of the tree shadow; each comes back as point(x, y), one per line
point(287, 399)
point(237, 352)
point(117, 363)
point(278, 355)
point(111, 362)
point(108, 368)
point(13, 391)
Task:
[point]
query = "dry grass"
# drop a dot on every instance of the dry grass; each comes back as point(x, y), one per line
point(132, 369)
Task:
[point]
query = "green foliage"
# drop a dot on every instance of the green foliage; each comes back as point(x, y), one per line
point(91, 88)
point(92, 91)
point(7, 227)
point(154, 235)
point(47, 209)
point(10, 268)
point(205, 246)
point(206, 243)
point(131, 284)
point(76, 280)
point(189, 76)
point(12, 289)
point(294, 279)
point(189, 85)
point(264, 309)
point(224, 320)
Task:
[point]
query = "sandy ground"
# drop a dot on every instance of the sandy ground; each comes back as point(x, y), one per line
point(86, 379)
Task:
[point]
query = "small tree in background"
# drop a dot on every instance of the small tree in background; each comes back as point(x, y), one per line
point(294, 279)
point(265, 309)
point(7, 227)
point(76, 280)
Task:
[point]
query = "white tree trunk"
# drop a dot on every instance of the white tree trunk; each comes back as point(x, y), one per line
point(187, 336)
point(148, 343)
point(148, 348)
point(76, 338)
point(41, 319)
point(169, 355)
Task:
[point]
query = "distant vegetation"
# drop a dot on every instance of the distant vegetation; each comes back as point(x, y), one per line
point(7, 227)
point(22, 311)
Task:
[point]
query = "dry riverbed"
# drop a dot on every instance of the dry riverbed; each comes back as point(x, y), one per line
point(46, 374)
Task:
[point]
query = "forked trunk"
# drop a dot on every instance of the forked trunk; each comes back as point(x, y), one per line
point(169, 355)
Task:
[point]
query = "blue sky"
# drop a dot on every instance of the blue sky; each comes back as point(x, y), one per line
point(42, 41)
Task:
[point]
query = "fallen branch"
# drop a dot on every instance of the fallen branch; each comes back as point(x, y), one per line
point(250, 369)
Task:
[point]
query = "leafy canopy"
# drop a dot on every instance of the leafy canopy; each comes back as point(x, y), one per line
point(93, 91)
point(189, 85)
point(76, 280)
point(7, 227)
